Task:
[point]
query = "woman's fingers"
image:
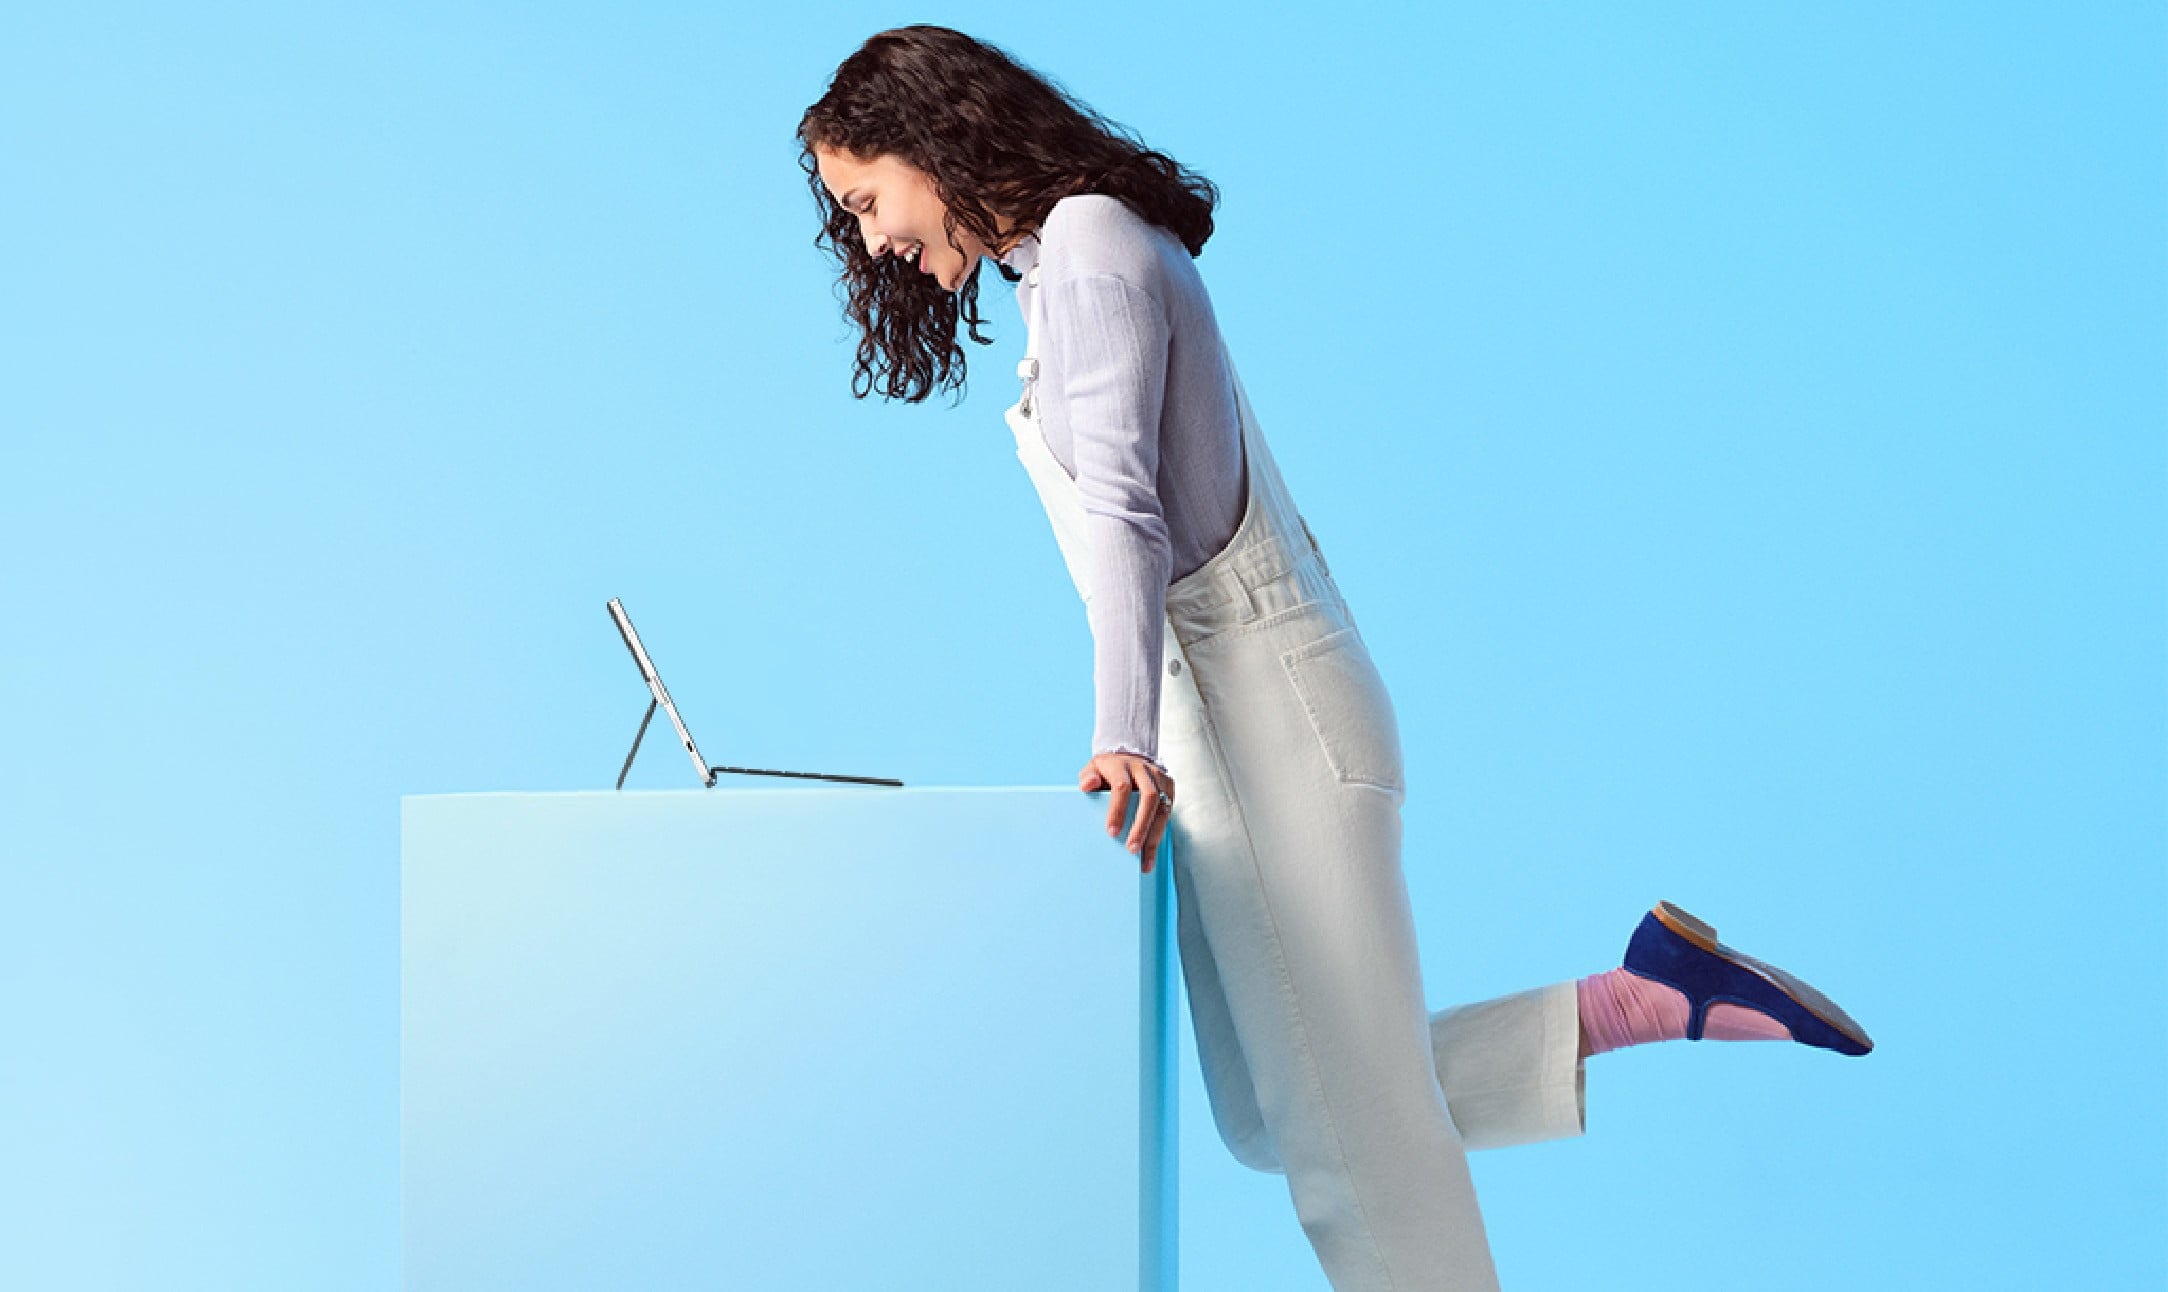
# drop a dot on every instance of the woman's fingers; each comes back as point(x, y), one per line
point(1154, 805)
point(1148, 809)
point(1118, 803)
point(1127, 777)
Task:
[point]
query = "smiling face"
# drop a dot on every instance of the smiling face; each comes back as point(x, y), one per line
point(900, 213)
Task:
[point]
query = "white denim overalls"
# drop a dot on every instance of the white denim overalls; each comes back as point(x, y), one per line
point(1297, 943)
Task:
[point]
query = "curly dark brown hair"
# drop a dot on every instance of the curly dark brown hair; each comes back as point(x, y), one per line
point(992, 135)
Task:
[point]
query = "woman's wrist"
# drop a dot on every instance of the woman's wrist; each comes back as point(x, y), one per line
point(1132, 753)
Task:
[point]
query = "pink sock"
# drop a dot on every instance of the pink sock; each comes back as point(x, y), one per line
point(1621, 1008)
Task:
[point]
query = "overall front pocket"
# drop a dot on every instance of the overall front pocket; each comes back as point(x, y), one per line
point(1349, 709)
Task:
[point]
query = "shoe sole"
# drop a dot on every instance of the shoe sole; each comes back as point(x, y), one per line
point(1703, 934)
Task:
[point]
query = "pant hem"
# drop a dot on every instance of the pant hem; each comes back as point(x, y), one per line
point(1553, 1105)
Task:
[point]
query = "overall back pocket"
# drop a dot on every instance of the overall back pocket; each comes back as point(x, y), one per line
point(1349, 709)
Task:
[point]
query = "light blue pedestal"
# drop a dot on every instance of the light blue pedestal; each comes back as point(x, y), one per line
point(849, 1038)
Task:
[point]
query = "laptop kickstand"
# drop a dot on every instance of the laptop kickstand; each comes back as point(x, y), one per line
point(644, 719)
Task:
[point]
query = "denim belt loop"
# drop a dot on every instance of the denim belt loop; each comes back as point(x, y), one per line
point(1321, 562)
point(1235, 592)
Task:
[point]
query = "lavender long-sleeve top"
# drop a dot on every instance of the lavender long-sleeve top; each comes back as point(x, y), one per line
point(1137, 404)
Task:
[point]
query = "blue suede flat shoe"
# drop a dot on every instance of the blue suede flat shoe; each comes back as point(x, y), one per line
point(1674, 948)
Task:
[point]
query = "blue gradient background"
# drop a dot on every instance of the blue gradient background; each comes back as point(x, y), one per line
point(1739, 433)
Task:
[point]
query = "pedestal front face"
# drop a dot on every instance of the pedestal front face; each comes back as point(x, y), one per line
point(789, 1039)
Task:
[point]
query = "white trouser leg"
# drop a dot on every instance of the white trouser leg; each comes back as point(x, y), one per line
point(1299, 956)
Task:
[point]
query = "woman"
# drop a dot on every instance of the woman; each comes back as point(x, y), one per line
point(1227, 662)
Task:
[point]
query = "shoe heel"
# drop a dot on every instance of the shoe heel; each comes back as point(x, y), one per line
point(1699, 932)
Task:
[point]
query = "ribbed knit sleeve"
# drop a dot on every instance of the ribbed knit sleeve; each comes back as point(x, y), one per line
point(1107, 339)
